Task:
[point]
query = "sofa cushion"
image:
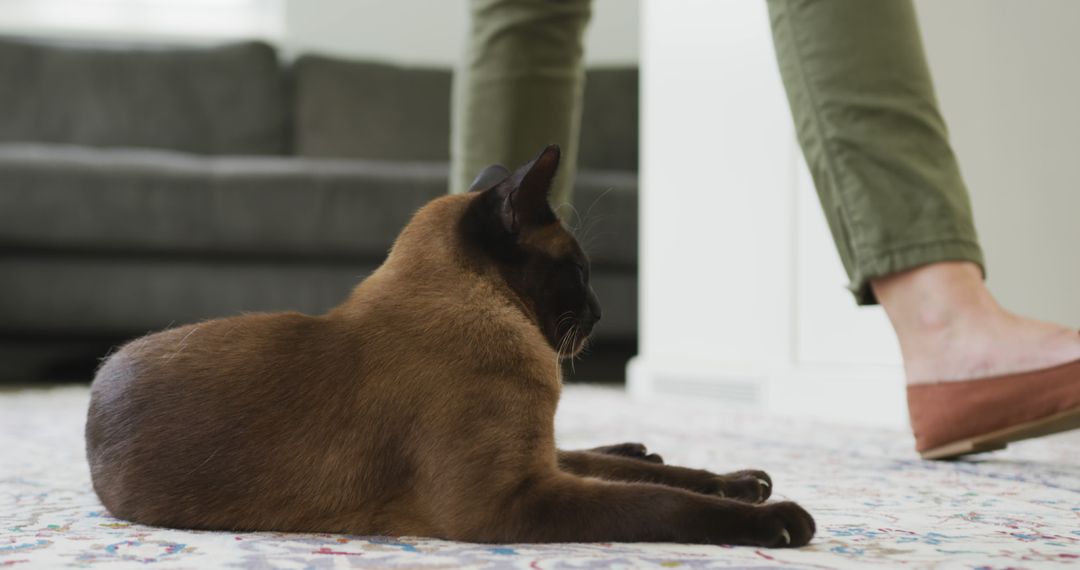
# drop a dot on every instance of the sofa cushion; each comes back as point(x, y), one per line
point(60, 198)
point(68, 198)
point(356, 109)
point(213, 100)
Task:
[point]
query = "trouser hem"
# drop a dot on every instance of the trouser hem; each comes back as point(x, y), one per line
point(879, 264)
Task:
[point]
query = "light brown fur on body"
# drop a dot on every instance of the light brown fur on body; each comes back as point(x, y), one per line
point(423, 405)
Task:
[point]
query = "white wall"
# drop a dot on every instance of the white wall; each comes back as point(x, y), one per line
point(742, 291)
point(715, 162)
point(419, 32)
point(432, 32)
point(1008, 77)
point(143, 20)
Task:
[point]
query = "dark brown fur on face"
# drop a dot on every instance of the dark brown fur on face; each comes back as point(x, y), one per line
point(423, 405)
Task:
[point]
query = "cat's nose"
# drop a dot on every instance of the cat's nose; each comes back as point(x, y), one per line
point(592, 310)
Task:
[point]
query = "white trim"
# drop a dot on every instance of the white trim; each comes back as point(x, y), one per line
point(839, 393)
point(190, 20)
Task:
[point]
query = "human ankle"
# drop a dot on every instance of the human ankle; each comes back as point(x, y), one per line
point(934, 298)
point(937, 311)
point(950, 327)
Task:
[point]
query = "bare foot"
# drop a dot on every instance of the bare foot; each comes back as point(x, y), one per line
point(951, 328)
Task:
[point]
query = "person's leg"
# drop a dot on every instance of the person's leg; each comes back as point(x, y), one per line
point(875, 142)
point(519, 88)
point(869, 125)
point(978, 376)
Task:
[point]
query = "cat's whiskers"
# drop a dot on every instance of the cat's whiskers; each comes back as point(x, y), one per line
point(564, 320)
point(573, 341)
point(566, 317)
point(584, 346)
point(560, 347)
point(597, 200)
point(590, 238)
point(577, 216)
point(587, 222)
point(565, 344)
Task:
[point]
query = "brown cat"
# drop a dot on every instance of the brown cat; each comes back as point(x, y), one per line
point(421, 406)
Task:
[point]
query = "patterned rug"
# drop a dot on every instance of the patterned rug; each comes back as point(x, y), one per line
point(875, 502)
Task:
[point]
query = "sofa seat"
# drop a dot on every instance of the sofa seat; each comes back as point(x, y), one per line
point(153, 202)
point(149, 202)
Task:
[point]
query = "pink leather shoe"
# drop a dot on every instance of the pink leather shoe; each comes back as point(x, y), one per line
point(951, 419)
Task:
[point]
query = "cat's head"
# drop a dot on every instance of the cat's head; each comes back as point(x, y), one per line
point(511, 225)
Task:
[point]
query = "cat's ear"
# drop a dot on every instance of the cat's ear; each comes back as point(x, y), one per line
point(525, 193)
point(489, 177)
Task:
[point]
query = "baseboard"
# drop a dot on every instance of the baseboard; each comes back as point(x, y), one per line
point(843, 393)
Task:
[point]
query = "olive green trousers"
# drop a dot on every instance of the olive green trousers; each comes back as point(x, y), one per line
point(860, 93)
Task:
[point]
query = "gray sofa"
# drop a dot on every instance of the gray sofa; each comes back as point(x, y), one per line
point(145, 186)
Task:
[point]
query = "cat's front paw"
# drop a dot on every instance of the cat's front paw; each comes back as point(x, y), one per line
point(782, 525)
point(631, 450)
point(751, 486)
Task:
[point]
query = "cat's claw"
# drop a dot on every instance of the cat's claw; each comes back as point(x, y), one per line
point(751, 486)
point(784, 525)
point(764, 488)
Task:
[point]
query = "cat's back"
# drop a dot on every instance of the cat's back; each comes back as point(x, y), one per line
point(219, 354)
point(196, 421)
point(208, 359)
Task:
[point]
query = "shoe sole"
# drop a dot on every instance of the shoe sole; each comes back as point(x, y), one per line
point(995, 440)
